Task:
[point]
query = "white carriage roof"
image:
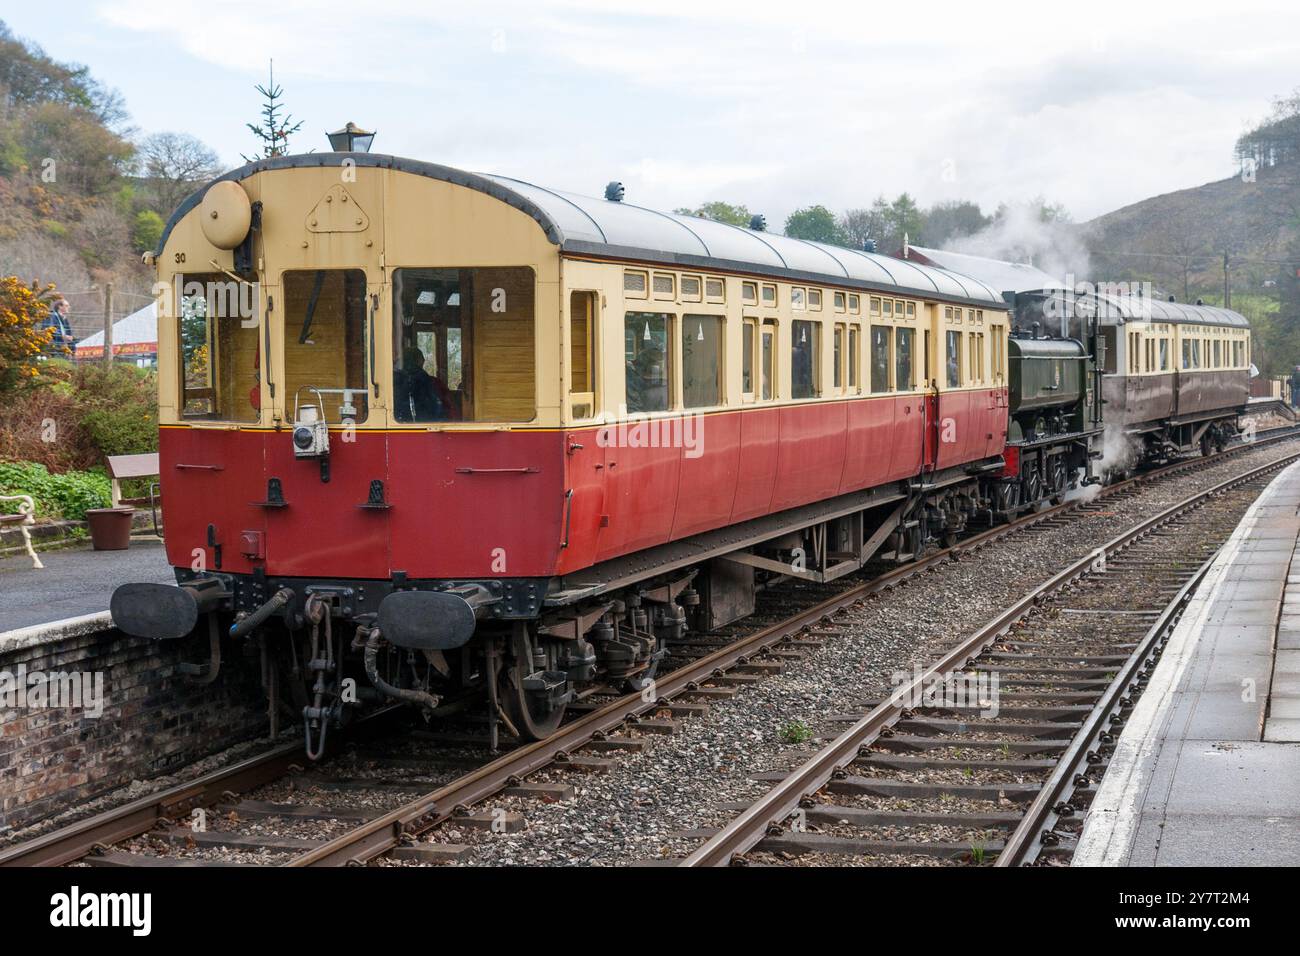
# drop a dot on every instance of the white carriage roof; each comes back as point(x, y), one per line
point(1137, 309)
point(583, 225)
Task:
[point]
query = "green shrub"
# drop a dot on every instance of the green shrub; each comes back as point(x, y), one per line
point(120, 410)
point(68, 495)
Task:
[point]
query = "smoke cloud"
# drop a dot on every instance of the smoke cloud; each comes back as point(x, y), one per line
point(1022, 234)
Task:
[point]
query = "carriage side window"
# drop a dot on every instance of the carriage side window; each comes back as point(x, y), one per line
point(1110, 342)
point(463, 345)
point(1164, 355)
point(648, 361)
point(582, 354)
point(880, 336)
point(838, 358)
point(767, 361)
point(747, 345)
point(220, 344)
point(954, 359)
point(805, 359)
point(701, 361)
point(903, 339)
point(325, 347)
point(855, 346)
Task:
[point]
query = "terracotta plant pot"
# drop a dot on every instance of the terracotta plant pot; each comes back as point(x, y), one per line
point(110, 528)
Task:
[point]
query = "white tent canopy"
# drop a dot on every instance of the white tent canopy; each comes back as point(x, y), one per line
point(134, 334)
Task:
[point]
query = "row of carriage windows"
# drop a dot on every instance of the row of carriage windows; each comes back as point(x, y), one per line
point(658, 346)
point(1215, 349)
point(463, 346)
point(638, 284)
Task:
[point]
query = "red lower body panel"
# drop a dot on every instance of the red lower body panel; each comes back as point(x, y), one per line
point(539, 503)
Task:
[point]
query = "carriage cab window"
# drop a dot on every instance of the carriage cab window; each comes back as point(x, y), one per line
point(648, 361)
point(463, 345)
point(325, 342)
point(219, 340)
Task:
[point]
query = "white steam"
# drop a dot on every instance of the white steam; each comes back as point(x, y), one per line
point(1021, 234)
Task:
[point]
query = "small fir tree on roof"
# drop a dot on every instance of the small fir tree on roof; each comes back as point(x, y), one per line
point(273, 131)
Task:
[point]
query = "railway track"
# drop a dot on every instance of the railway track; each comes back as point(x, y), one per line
point(347, 824)
point(936, 773)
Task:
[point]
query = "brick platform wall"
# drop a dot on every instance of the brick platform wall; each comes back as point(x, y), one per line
point(154, 719)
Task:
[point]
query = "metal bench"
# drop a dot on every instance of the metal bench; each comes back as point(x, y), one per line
point(24, 519)
point(121, 467)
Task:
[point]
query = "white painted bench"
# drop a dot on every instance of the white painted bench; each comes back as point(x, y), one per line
point(24, 519)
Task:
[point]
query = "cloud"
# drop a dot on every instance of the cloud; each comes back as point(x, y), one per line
point(760, 103)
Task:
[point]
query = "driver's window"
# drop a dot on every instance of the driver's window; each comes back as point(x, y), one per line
point(325, 342)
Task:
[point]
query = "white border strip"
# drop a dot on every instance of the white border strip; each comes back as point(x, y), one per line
point(1112, 821)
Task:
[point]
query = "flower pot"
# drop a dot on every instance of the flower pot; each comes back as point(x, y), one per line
point(110, 528)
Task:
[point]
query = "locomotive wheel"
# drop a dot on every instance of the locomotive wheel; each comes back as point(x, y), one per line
point(639, 682)
point(534, 719)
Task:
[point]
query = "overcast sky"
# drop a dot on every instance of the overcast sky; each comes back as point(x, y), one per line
point(777, 106)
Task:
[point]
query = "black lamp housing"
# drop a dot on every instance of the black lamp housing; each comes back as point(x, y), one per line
point(351, 139)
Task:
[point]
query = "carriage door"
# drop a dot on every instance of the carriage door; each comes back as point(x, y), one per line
point(930, 380)
point(585, 511)
point(327, 514)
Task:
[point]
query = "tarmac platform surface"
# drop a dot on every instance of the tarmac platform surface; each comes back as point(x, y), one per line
point(74, 582)
point(1207, 769)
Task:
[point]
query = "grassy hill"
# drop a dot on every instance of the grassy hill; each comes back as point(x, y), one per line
point(1177, 240)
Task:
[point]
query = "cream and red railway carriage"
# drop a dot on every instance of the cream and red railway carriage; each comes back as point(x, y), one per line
point(509, 438)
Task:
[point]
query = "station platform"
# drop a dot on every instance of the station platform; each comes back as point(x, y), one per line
point(1207, 769)
point(74, 583)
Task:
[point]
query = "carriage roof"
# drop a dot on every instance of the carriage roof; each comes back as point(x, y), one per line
point(584, 225)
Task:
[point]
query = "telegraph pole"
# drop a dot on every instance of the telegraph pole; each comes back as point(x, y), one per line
point(1227, 289)
point(108, 325)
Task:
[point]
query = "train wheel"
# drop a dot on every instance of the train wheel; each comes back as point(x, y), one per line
point(641, 681)
point(534, 715)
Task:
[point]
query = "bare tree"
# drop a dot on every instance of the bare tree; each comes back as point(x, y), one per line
point(102, 236)
point(175, 165)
